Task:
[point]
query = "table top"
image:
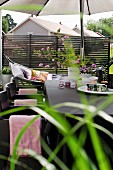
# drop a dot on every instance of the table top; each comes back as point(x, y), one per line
point(56, 95)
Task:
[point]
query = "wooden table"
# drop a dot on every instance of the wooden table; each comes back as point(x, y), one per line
point(56, 95)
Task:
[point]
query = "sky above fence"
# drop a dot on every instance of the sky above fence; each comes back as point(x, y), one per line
point(70, 21)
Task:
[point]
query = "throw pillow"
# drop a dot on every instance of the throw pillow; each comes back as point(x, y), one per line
point(35, 73)
point(16, 71)
point(44, 74)
point(27, 72)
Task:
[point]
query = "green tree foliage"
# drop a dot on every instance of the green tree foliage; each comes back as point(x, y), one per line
point(5, 25)
point(107, 26)
point(8, 23)
point(103, 26)
point(92, 25)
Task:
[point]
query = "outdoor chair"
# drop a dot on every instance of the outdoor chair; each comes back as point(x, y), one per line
point(6, 104)
point(20, 97)
point(23, 93)
point(25, 83)
point(4, 142)
point(5, 147)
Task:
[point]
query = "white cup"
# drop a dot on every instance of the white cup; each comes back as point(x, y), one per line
point(93, 80)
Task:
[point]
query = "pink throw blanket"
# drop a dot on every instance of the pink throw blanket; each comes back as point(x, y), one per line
point(31, 137)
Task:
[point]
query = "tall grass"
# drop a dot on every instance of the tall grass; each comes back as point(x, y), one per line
point(81, 159)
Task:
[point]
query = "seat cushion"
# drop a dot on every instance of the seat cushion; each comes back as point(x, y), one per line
point(25, 102)
point(27, 91)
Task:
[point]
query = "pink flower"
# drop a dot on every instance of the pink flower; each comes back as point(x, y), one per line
point(66, 37)
point(34, 78)
point(40, 65)
point(54, 67)
point(78, 60)
point(58, 64)
point(48, 48)
point(42, 49)
point(47, 66)
point(93, 65)
point(48, 55)
point(39, 55)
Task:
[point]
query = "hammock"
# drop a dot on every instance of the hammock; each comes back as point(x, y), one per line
point(26, 77)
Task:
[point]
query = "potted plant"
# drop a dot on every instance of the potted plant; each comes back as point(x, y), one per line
point(66, 57)
point(6, 70)
point(6, 75)
point(62, 57)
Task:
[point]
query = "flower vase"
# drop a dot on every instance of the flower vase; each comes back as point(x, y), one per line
point(73, 73)
point(6, 78)
point(86, 75)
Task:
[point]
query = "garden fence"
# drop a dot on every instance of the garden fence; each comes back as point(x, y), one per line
point(23, 48)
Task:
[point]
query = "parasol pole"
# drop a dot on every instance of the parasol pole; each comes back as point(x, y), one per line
point(81, 28)
point(0, 39)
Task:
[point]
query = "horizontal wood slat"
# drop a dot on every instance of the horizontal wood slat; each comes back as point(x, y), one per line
point(22, 48)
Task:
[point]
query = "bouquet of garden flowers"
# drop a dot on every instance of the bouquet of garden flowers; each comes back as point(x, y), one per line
point(61, 57)
point(88, 68)
point(64, 57)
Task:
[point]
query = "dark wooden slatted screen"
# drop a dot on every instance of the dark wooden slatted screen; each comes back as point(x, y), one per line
point(38, 43)
point(22, 49)
point(98, 50)
point(17, 47)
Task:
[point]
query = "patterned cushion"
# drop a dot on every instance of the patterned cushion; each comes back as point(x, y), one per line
point(35, 73)
point(26, 71)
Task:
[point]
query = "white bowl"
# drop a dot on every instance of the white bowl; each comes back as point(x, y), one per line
point(93, 78)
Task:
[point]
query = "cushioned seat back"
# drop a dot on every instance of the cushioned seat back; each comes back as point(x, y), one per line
point(4, 142)
point(25, 83)
point(4, 100)
point(5, 147)
point(15, 81)
point(11, 89)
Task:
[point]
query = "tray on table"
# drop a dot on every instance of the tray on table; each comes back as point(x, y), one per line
point(84, 89)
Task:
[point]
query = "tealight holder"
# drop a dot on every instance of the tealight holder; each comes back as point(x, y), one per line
point(61, 84)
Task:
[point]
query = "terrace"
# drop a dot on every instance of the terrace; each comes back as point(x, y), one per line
point(22, 49)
